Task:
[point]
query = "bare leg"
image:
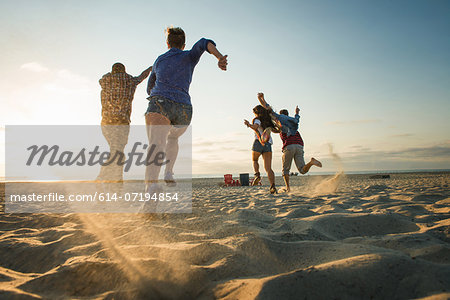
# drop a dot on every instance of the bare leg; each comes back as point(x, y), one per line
point(267, 157)
point(312, 162)
point(172, 151)
point(286, 181)
point(255, 157)
point(157, 135)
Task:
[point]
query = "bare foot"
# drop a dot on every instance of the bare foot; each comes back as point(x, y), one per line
point(316, 162)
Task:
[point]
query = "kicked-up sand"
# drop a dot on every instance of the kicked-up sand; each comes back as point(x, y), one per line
point(331, 237)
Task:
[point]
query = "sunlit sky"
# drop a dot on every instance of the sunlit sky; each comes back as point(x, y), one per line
point(372, 78)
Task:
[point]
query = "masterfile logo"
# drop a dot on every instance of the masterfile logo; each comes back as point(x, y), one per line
point(82, 152)
point(54, 156)
point(63, 169)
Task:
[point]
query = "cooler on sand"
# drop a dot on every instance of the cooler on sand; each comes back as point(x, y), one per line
point(244, 178)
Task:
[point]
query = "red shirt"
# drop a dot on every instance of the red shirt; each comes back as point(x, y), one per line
point(293, 139)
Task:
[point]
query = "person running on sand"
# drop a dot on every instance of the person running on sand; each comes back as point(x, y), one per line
point(293, 150)
point(169, 101)
point(118, 88)
point(262, 123)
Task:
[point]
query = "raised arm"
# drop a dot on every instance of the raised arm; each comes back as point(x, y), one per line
point(263, 102)
point(297, 111)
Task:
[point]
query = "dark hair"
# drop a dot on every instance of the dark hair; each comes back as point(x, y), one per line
point(175, 37)
point(263, 115)
point(118, 68)
point(284, 112)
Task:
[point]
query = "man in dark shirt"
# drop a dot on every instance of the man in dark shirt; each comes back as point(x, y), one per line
point(293, 150)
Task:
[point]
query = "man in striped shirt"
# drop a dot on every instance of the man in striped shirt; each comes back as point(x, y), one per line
point(293, 150)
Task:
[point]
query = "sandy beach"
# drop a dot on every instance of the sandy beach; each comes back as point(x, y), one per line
point(331, 237)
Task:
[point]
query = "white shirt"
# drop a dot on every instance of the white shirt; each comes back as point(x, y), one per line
point(258, 122)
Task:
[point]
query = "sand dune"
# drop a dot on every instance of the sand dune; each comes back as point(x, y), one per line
point(346, 237)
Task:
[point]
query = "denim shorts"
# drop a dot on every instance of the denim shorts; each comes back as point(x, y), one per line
point(177, 113)
point(257, 147)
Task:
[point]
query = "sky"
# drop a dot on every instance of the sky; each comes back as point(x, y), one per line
point(371, 78)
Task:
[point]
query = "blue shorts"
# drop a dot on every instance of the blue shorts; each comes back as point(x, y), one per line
point(257, 147)
point(177, 113)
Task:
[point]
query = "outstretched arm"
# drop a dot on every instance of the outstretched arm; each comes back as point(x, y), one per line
point(143, 75)
point(222, 59)
point(252, 126)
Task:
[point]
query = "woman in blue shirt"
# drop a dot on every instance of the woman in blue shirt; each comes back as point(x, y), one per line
point(169, 100)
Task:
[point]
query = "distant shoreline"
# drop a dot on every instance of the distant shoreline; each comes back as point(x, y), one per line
point(207, 176)
point(215, 176)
